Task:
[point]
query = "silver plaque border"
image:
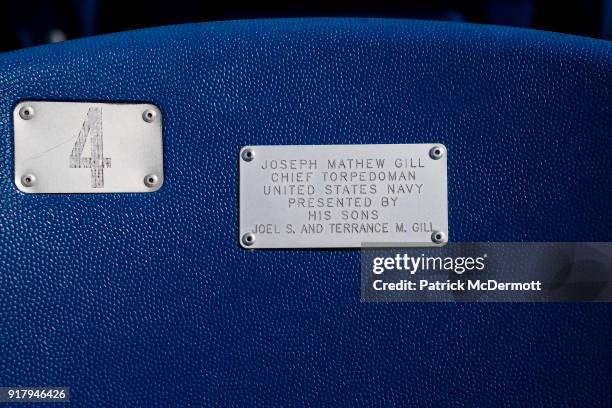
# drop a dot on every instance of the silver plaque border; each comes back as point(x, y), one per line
point(427, 147)
point(144, 163)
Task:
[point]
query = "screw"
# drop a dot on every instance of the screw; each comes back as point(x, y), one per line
point(248, 154)
point(149, 115)
point(151, 180)
point(26, 112)
point(28, 180)
point(438, 237)
point(248, 239)
point(437, 152)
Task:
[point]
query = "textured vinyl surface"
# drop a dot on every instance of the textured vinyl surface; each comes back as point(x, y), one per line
point(148, 299)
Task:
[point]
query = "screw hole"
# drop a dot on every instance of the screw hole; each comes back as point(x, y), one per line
point(248, 155)
point(26, 112)
point(248, 239)
point(437, 152)
point(148, 116)
point(151, 180)
point(28, 180)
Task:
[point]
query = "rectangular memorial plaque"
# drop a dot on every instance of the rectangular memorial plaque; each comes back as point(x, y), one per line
point(83, 147)
point(343, 196)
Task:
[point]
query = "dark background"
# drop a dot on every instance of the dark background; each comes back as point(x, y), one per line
point(34, 22)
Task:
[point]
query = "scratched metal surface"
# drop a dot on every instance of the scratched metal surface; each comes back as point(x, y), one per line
point(83, 147)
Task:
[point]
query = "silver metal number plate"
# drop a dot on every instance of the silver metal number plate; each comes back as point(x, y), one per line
point(77, 147)
point(343, 196)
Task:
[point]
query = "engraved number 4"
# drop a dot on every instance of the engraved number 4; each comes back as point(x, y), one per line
point(92, 130)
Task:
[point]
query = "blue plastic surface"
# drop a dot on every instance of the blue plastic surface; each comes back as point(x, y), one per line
point(147, 299)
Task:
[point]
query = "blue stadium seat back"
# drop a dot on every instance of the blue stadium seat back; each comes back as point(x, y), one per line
point(148, 299)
